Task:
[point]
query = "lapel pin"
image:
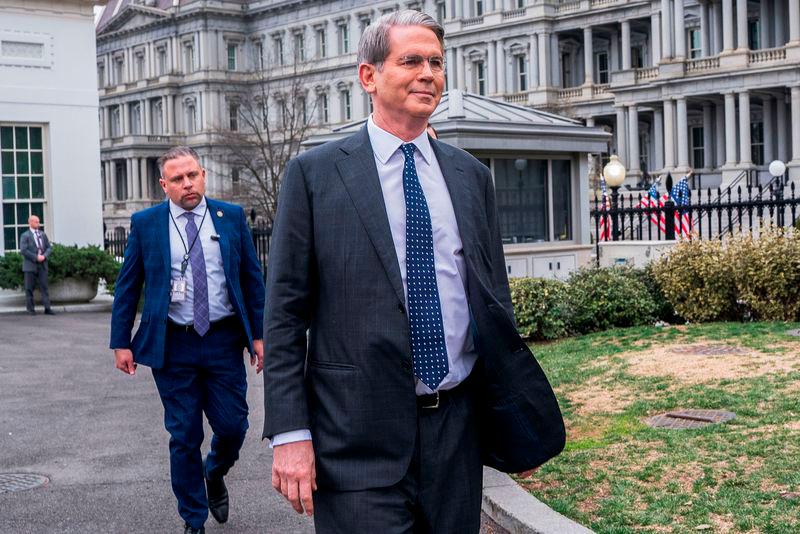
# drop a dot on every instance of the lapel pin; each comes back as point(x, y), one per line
point(219, 213)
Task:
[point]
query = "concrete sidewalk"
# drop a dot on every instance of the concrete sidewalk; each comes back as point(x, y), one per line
point(14, 302)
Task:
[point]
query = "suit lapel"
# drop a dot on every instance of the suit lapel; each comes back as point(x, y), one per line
point(360, 177)
point(163, 221)
point(218, 216)
point(463, 193)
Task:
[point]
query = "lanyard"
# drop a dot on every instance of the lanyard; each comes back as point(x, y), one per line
point(185, 262)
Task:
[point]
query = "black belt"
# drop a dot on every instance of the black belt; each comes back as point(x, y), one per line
point(228, 321)
point(435, 399)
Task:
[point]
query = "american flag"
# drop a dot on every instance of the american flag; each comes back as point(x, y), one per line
point(682, 197)
point(652, 200)
point(605, 218)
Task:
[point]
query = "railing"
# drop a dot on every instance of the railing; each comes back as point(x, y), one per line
point(516, 98)
point(158, 139)
point(647, 73)
point(769, 54)
point(116, 240)
point(701, 64)
point(601, 89)
point(568, 6)
point(603, 3)
point(472, 21)
point(573, 92)
point(514, 13)
point(734, 211)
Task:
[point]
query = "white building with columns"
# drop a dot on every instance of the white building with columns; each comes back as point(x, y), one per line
point(709, 84)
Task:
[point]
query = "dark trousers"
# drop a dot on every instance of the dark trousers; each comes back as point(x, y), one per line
point(202, 374)
point(32, 279)
point(441, 491)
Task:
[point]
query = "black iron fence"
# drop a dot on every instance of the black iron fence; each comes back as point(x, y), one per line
point(116, 240)
point(710, 215)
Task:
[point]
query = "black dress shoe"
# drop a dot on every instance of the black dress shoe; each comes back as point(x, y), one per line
point(188, 529)
point(48, 311)
point(217, 498)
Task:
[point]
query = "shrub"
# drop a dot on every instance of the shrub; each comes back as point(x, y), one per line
point(539, 307)
point(89, 262)
point(664, 310)
point(697, 279)
point(601, 298)
point(766, 272)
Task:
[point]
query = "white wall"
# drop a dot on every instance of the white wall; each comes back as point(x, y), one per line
point(59, 92)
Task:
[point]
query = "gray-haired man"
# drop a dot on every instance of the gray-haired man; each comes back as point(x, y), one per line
point(386, 250)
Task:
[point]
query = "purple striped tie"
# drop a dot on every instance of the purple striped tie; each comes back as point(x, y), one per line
point(199, 282)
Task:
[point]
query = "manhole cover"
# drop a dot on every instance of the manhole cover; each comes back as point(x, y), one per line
point(680, 419)
point(21, 481)
point(795, 333)
point(710, 350)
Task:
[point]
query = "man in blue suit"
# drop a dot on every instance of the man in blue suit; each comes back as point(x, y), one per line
point(203, 304)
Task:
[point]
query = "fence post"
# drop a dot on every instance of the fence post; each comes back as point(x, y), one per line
point(669, 220)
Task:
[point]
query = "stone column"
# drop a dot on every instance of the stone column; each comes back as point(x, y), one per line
point(768, 123)
point(129, 178)
point(146, 116)
point(730, 129)
point(106, 122)
point(136, 194)
point(461, 68)
point(705, 48)
point(501, 68)
point(588, 56)
point(357, 102)
point(666, 30)
point(727, 25)
point(533, 61)
point(719, 136)
point(794, 21)
point(544, 59)
point(621, 135)
point(669, 134)
point(458, 10)
point(744, 129)
point(708, 142)
point(683, 132)
point(741, 24)
point(489, 68)
point(451, 65)
point(145, 178)
point(764, 23)
point(680, 30)
point(780, 17)
point(626, 45)
point(170, 114)
point(658, 139)
point(716, 8)
point(655, 38)
point(796, 124)
point(555, 61)
point(782, 127)
point(113, 176)
point(633, 139)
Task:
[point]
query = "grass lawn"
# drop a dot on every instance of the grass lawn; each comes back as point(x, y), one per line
point(617, 475)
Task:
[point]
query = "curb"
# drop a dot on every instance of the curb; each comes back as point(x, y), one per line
point(518, 511)
point(62, 308)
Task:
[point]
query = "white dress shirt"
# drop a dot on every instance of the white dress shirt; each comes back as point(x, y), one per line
point(447, 250)
point(219, 305)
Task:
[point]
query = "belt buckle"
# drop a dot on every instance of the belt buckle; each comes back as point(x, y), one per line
point(437, 401)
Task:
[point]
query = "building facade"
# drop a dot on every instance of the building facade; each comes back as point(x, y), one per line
point(49, 139)
point(709, 84)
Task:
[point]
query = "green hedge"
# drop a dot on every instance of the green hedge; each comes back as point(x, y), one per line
point(90, 262)
point(539, 307)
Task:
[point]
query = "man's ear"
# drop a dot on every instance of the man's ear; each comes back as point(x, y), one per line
point(366, 76)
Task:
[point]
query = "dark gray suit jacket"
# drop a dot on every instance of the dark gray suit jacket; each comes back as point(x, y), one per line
point(333, 272)
point(27, 247)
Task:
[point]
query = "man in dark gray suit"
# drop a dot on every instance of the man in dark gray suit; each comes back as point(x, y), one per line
point(35, 249)
point(389, 327)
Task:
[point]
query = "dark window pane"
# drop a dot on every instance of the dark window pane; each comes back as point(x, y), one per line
point(7, 137)
point(562, 200)
point(9, 191)
point(23, 212)
point(22, 163)
point(37, 167)
point(23, 187)
point(21, 137)
point(8, 162)
point(8, 214)
point(10, 239)
point(37, 208)
point(20, 231)
point(37, 187)
point(36, 138)
point(521, 188)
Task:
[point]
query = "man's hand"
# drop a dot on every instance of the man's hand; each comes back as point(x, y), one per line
point(124, 361)
point(258, 348)
point(40, 258)
point(294, 475)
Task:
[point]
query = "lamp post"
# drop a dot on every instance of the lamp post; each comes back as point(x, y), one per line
point(778, 168)
point(614, 175)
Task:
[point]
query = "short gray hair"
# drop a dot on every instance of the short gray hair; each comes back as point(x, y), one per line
point(175, 153)
point(373, 47)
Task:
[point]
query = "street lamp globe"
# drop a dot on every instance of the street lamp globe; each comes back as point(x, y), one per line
point(614, 172)
point(777, 168)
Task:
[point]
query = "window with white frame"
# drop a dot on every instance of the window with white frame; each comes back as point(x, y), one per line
point(521, 64)
point(754, 34)
point(480, 77)
point(23, 178)
point(232, 52)
point(364, 21)
point(637, 57)
point(698, 148)
point(277, 42)
point(601, 67)
point(188, 56)
point(695, 48)
point(136, 118)
point(343, 30)
point(233, 116)
point(322, 43)
point(121, 182)
point(757, 142)
point(119, 70)
point(258, 55)
point(441, 11)
point(116, 121)
point(101, 75)
point(158, 117)
point(300, 104)
point(478, 8)
point(190, 116)
point(140, 73)
point(346, 104)
point(323, 108)
point(299, 47)
point(162, 63)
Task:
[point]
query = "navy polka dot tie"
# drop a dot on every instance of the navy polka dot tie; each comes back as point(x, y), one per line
point(424, 309)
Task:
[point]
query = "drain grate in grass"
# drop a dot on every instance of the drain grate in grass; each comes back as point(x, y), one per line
point(710, 350)
point(10, 482)
point(682, 419)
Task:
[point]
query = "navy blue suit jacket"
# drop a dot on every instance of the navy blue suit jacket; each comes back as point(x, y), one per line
point(148, 263)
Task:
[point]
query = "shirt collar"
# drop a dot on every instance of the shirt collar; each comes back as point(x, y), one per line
point(178, 211)
point(385, 144)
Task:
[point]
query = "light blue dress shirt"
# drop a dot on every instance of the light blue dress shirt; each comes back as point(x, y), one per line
point(219, 305)
point(447, 249)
